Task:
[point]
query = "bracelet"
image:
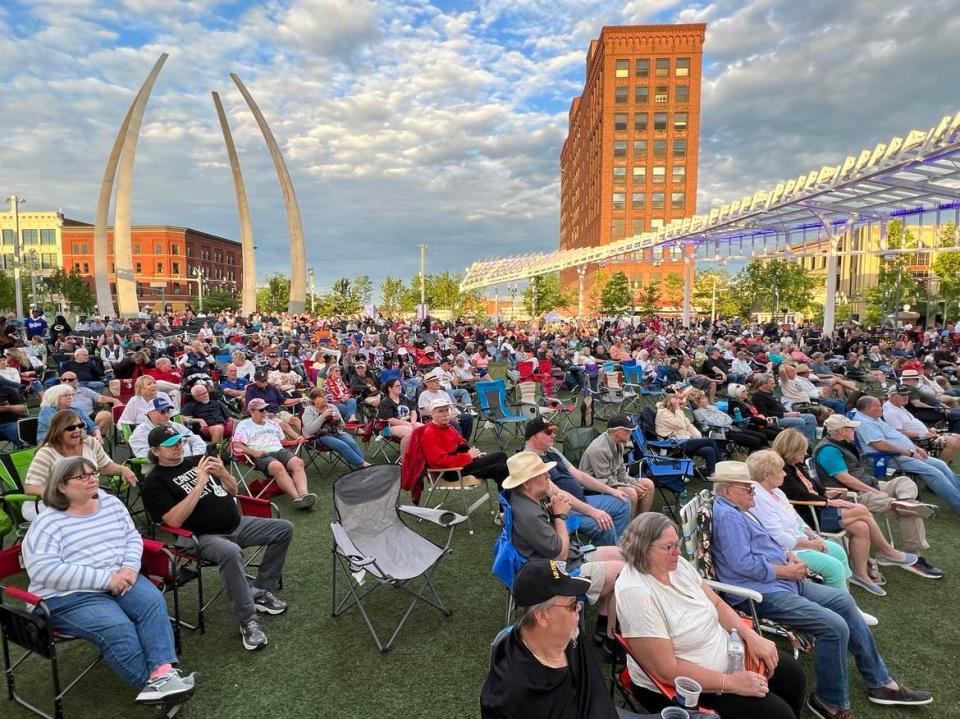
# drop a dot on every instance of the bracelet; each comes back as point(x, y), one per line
point(723, 682)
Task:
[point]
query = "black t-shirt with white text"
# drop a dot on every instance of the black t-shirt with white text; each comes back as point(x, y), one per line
point(216, 511)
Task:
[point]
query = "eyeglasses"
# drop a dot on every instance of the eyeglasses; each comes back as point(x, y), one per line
point(671, 548)
point(573, 606)
point(752, 489)
point(69, 379)
point(85, 476)
point(548, 431)
point(73, 427)
point(258, 410)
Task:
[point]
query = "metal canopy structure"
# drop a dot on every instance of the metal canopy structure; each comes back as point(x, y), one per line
point(914, 175)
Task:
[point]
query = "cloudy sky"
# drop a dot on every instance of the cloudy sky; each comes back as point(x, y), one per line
point(408, 121)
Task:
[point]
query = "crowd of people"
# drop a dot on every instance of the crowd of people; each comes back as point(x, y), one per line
point(187, 395)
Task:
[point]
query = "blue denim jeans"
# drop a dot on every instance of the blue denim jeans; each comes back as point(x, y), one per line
point(10, 432)
point(938, 477)
point(344, 445)
point(832, 617)
point(133, 630)
point(348, 409)
point(619, 512)
point(806, 423)
point(837, 405)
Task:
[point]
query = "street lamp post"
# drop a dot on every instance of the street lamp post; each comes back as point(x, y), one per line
point(423, 282)
point(199, 274)
point(15, 203)
point(313, 294)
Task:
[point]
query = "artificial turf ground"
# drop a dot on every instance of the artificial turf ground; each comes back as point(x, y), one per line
point(319, 666)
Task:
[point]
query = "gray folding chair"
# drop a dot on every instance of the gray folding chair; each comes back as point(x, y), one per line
point(373, 545)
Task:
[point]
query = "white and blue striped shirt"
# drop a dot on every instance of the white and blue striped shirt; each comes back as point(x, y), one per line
point(65, 553)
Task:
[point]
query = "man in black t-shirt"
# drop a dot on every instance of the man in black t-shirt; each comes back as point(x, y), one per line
point(541, 668)
point(196, 494)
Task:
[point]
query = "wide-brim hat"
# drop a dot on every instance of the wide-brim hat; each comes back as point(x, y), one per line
point(730, 471)
point(909, 374)
point(524, 466)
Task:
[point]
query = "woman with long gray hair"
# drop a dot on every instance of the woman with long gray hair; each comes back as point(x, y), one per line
point(678, 624)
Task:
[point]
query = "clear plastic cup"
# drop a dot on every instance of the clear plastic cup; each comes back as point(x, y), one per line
point(688, 692)
point(674, 713)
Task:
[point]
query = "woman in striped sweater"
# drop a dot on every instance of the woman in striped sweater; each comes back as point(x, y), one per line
point(82, 554)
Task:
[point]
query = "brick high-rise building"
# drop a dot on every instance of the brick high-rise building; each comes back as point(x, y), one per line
point(629, 163)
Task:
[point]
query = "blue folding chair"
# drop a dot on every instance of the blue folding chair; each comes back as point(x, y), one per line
point(668, 474)
point(495, 413)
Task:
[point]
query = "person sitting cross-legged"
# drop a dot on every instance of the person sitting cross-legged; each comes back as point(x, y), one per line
point(323, 424)
point(746, 555)
point(260, 438)
point(895, 413)
point(445, 448)
point(603, 459)
point(197, 494)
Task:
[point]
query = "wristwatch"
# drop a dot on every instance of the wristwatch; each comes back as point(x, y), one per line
point(559, 516)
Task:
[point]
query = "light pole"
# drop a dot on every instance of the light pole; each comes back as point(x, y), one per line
point(17, 281)
point(713, 303)
point(423, 282)
point(313, 293)
point(198, 273)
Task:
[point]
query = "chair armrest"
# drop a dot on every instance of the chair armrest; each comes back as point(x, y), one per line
point(23, 595)
point(348, 548)
point(736, 591)
point(808, 502)
point(256, 507)
point(441, 517)
point(176, 531)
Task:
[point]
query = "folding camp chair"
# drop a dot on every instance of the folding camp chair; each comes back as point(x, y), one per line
point(377, 443)
point(12, 500)
point(496, 414)
point(27, 430)
point(668, 474)
point(576, 441)
point(371, 542)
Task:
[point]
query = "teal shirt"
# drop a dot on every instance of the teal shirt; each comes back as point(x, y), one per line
point(831, 460)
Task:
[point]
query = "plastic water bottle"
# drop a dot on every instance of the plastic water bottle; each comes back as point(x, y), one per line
point(735, 652)
point(737, 416)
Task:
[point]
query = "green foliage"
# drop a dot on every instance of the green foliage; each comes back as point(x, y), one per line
point(774, 285)
point(946, 266)
point(672, 291)
point(647, 299)
point(594, 299)
point(727, 302)
point(896, 285)
point(8, 294)
point(220, 299)
point(74, 289)
point(546, 293)
point(442, 292)
point(347, 297)
point(616, 298)
point(275, 296)
point(392, 290)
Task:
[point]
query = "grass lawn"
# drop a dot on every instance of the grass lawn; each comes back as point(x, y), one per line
point(318, 666)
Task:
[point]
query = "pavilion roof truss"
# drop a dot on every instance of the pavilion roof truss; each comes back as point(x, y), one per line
point(912, 175)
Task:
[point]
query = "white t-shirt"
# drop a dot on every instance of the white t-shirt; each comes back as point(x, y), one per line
point(265, 437)
point(681, 613)
point(900, 418)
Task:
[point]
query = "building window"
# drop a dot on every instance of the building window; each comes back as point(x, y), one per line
point(660, 121)
point(639, 175)
point(639, 149)
point(219, 257)
point(683, 94)
point(138, 267)
point(679, 148)
point(619, 148)
point(677, 200)
point(655, 224)
point(48, 261)
point(617, 227)
point(30, 237)
point(619, 175)
point(620, 122)
point(643, 68)
point(663, 67)
point(175, 268)
point(189, 250)
point(642, 95)
point(113, 268)
point(683, 67)
point(657, 201)
point(679, 174)
point(638, 200)
point(8, 237)
point(76, 266)
point(158, 248)
point(680, 121)
point(620, 94)
point(174, 249)
point(640, 121)
point(6, 261)
point(619, 200)
point(636, 226)
point(661, 95)
point(623, 68)
point(229, 258)
point(659, 173)
point(86, 268)
point(159, 268)
point(660, 148)
point(48, 237)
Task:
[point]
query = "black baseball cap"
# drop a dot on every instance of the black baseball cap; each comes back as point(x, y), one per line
point(165, 435)
point(541, 579)
point(536, 426)
point(260, 375)
point(621, 421)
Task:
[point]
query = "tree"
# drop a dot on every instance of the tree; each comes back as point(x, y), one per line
point(74, 289)
point(616, 298)
point(274, 297)
point(726, 295)
point(774, 285)
point(946, 266)
point(648, 298)
point(349, 296)
point(219, 299)
point(8, 293)
point(896, 284)
point(391, 294)
point(546, 293)
point(594, 298)
point(672, 291)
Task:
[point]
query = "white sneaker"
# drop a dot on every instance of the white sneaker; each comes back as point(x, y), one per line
point(168, 688)
point(869, 619)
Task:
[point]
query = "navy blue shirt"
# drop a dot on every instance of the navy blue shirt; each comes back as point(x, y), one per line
point(36, 326)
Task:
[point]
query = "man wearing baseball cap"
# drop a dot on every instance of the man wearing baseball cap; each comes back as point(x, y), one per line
point(747, 556)
point(924, 405)
point(445, 448)
point(197, 494)
point(603, 459)
point(540, 513)
point(840, 463)
point(896, 415)
point(159, 411)
point(538, 669)
point(275, 401)
point(461, 421)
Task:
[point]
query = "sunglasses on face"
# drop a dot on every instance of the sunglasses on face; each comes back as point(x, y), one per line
point(73, 427)
point(69, 379)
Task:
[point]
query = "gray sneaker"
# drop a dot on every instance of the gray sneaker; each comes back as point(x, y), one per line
point(252, 635)
point(169, 688)
point(265, 602)
point(305, 502)
point(868, 586)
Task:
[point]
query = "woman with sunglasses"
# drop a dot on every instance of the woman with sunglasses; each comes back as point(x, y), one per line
point(60, 397)
point(679, 626)
point(83, 558)
point(66, 438)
